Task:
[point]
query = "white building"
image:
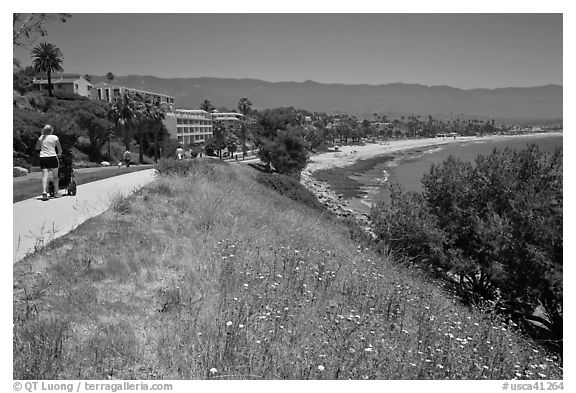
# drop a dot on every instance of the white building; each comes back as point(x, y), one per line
point(107, 92)
point(227, 118)
point(189, 126)
point(71, 83)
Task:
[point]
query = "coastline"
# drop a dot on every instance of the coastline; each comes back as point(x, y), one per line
point(348, 205)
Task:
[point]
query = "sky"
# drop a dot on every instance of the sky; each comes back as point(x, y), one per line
point(460, 50)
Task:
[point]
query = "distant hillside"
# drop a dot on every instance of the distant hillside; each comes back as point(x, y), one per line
point(529, 103)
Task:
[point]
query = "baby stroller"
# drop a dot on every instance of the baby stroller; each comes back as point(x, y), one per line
point(65, 175)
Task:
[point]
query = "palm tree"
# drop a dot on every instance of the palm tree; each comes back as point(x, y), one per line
point(244, 106)
point(47, 58)
point(124, 112)
point(153, 115)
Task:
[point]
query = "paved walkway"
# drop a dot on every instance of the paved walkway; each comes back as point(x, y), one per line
point(35, 221)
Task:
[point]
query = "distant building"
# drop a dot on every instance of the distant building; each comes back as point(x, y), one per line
point(189, 126)
point(71, 83)
point(227, 118)
point(107, 92)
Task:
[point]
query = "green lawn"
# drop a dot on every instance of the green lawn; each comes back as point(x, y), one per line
point(31, 185)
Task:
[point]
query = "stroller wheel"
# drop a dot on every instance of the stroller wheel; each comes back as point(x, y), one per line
point(72, 188)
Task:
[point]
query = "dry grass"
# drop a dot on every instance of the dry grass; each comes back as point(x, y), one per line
point(211, 275)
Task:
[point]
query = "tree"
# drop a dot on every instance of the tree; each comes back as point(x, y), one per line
point(153, 114)
point(286, 153)
point(244, 106)
point(218, 140)
point(92, 117)
point(110, 77)
point(22, 80)
point(207, 106)
point(27, 27)
point(47, 58)
point(124, 114)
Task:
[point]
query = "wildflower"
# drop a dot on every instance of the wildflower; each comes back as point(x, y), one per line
point(368, 349)
point(321, 367)
point(229, 323)
point(245, 285)
point(213, 370)
point(258, 341)
point(240, 326)
point(440, 366)
point(412, 364)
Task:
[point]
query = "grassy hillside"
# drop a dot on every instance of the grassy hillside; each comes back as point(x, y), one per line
point(209, 273)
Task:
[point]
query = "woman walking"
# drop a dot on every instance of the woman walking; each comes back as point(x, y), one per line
point(49, 146)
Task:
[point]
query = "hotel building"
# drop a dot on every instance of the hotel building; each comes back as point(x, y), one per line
point(227, 118)
point(107, 92)
point(189, 126)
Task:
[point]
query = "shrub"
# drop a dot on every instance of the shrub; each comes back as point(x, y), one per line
point(21, 162)
point(409, 229)
point(495, 227)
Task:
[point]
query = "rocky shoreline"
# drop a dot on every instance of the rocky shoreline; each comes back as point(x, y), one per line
point(335, 203)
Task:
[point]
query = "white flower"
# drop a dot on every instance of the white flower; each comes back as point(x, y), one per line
point(213, 370)
point(321, 367)
point(229, 323)
point(367, 349)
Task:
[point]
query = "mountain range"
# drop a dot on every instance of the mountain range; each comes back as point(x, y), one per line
point(363, 100)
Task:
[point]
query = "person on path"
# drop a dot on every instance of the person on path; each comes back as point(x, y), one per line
point(127, 158)
point(179, 153)
point(49, 147)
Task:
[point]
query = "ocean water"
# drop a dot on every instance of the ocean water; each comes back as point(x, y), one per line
point(407, 168)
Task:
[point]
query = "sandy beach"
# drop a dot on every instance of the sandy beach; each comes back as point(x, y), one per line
point(348, 155)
